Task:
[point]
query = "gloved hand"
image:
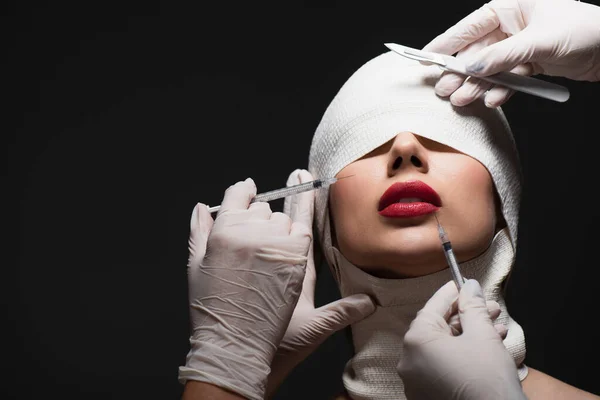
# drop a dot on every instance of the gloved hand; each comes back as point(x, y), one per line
point(474, 365)
point(551, 37)
point(245, 276)
point(310, 326)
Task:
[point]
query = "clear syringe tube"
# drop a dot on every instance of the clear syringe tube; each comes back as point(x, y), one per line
point(289, 191)
point(452, 263)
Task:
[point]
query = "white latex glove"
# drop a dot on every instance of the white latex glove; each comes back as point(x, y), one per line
point(551, 37)
point(310, 326)
point(472, 366)
point(245, 276)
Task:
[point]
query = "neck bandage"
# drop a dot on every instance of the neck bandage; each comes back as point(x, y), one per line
point(384, 97)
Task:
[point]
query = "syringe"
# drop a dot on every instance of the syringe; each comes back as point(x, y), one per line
point(290, 190)
point(452, 263)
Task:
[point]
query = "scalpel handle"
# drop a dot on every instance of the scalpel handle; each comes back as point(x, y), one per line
point(520, 83)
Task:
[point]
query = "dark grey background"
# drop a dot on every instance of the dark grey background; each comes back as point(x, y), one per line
point(120, 117)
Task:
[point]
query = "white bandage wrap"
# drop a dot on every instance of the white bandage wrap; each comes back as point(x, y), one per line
point(384, 97)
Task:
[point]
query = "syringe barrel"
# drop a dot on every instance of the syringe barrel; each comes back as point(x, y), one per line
point(287, 191)
point(453, 265)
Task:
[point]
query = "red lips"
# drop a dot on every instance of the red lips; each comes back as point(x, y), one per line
point(425, 200)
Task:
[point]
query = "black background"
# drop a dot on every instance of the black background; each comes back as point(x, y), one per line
point(118, 118)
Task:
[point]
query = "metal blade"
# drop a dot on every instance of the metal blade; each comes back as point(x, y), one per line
point(415, 54)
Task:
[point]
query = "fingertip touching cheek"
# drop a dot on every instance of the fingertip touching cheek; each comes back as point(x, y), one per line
point(402, 240)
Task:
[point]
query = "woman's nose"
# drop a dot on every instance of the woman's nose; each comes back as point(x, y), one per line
point(407, 153)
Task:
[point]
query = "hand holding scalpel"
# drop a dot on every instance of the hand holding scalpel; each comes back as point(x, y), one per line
point(525, 84)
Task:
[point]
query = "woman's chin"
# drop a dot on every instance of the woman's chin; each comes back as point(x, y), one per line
point(408, 262)
point(413, 243)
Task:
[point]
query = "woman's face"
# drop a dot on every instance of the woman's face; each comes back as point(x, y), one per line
point(402, 240)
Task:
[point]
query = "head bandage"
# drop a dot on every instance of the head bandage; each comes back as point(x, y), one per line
point(384, 97)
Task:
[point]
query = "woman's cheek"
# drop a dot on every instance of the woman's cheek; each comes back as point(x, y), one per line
point(480, 226)
point(348, 204)
point(353, 203)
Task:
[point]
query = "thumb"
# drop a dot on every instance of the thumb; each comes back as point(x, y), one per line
point(472, 309)
point(339, 314)
point(504, 55)
point(435, 314)
point(200, 225)
point(300, 207)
